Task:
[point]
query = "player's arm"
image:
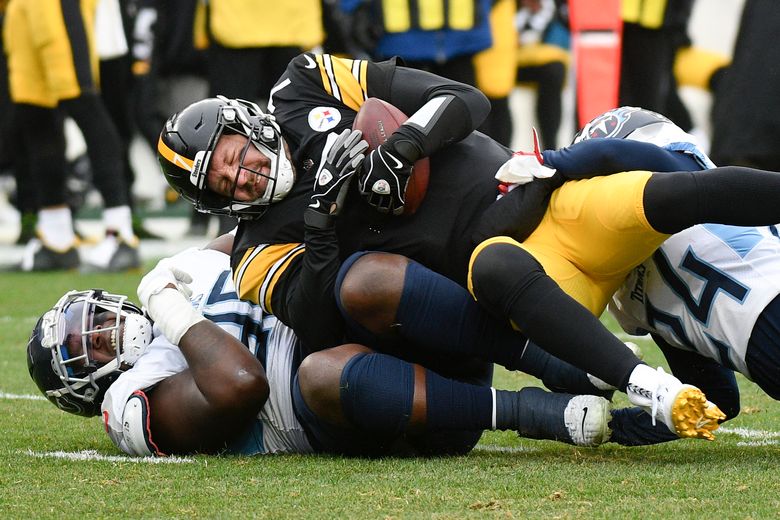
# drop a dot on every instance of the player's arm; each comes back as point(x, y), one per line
point(295, 282)
point(222, 391)
point(442, 112)
point(593, 157)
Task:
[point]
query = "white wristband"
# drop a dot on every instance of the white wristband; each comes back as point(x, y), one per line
point(173, 313)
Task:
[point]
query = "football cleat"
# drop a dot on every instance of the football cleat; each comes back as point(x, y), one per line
point(581, 420)
point(684, 409)
point(113, 255)
point(587, 420)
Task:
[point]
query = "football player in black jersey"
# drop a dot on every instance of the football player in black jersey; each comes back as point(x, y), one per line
point(319, 96)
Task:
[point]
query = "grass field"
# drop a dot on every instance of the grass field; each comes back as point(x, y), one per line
point(505, 477)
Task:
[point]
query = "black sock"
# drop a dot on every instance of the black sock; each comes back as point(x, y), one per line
point(510, 282)
point(533, 413)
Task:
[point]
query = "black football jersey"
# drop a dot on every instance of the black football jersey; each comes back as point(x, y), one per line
point(319, 94)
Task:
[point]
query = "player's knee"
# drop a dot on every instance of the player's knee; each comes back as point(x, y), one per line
point(499, 271)
point(371, 289)
point(319, 377)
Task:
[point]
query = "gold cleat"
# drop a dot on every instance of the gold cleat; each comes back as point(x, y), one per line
point(695, 417)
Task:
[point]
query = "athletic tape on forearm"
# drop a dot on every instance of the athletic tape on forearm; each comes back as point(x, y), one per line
point(173, 314)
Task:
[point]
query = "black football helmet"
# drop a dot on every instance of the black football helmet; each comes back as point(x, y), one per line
point(59, 350)
point(619, 123)
point(189, 138)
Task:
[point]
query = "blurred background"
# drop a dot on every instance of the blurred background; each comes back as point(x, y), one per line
point(169, 60)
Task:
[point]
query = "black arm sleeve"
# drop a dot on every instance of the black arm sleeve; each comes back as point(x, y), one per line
point(517, 213)
point(716, 381)
point(595, 157)
point(308, 305)
point(463, 110)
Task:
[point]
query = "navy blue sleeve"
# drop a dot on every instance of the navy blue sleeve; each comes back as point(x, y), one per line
point(634, 427)
point(604, 156)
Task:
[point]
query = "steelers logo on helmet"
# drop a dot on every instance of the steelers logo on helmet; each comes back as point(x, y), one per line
point(189, 138)
point(618, 123)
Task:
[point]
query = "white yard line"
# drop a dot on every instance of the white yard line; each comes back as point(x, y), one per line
point(494, 448)
point(93, 455)
point(27, 397)
point(753, 437)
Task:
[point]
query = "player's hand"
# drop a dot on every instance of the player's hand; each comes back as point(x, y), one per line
point(342, 156)
point(164, 275)
point(165, 294)
point(524, 167)
point(384, 180)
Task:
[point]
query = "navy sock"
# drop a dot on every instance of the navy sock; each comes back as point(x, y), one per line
point(377, 393)
point(440, 314)
point(453, 405)
point(534, 413)
point(633, 427)
point(558, 375)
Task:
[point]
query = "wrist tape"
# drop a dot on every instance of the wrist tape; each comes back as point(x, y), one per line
point(173, 314)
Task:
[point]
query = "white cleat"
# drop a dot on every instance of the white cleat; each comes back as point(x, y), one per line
point(587, 420)
point(684, 409)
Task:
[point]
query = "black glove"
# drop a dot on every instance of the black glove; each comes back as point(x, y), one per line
point(385, 176)
point(342, 155)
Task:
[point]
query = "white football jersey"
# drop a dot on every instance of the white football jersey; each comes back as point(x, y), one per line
point(125, 406)
point(703, 290)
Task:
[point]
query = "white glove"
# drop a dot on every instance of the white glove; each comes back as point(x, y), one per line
point(164, 273)
point(169, 307)
point(523, 167)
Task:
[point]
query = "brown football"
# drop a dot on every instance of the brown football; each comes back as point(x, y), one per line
point(377, 119)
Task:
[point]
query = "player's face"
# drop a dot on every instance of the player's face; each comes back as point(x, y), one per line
point(102, 343)
point(232, 169)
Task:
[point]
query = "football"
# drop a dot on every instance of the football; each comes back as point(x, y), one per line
point(377, 119)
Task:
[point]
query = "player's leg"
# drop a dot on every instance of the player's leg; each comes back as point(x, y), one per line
point(730, 195)
point(77, 92)
point(41, 131)
point(763, 350)
point(554, 285)
point(353, 400)
point(389, 298)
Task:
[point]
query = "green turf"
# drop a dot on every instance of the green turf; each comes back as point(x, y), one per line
point(733, 477)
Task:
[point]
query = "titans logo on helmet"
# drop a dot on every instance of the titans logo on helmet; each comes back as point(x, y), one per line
point(619, 123)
